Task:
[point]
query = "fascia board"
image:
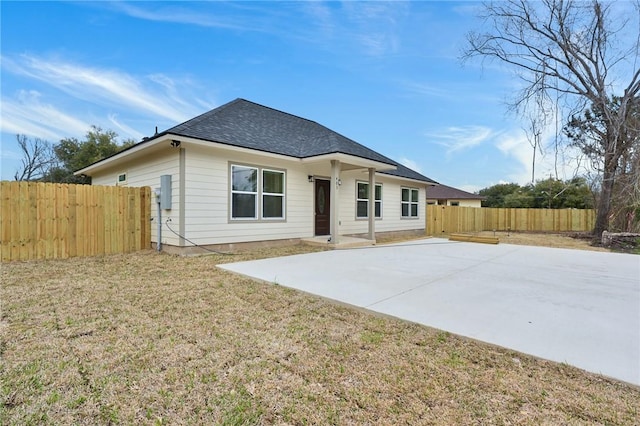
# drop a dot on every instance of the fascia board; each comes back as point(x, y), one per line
point(350, 159)
point(107, 162)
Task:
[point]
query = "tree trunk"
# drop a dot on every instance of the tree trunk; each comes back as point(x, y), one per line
point(604, 203)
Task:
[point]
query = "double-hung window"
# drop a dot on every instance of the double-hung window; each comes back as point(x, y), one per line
point(410, 197)
point(257, 193)
point(244, 192)
point(272, 194)
point(362, 200)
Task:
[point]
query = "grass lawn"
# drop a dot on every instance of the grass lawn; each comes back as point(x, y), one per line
point(156, 339)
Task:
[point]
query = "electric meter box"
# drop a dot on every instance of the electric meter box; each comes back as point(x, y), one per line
point(165, 192)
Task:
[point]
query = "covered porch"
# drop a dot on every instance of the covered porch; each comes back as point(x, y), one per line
point(327, 199)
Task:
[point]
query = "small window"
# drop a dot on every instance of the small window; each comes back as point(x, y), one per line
point(122, 179)
point(362, 200)
point(409, 204)
point(455, 203)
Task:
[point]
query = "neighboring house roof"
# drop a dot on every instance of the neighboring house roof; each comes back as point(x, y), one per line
point(245, 124)
point(442, 192)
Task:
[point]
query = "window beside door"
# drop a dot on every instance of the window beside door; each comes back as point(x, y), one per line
point(362, 200)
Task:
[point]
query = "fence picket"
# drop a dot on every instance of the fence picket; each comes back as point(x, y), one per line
point(454, 219)
point(46, 220)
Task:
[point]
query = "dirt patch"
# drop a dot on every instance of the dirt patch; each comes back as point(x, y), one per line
point(151, 338)
point(579, 241)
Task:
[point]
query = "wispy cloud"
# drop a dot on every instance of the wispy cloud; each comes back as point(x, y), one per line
point(413, 165)
point(179, 15)
point(26, 114)
point(106, 86)
point(122, 128)
point(456, 139)
point(157, 97)
point(429, 90)
point(374, 25)
point(371, 28)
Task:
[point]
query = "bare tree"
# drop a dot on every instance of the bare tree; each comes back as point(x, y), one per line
point(575, 52)
point(37, 158)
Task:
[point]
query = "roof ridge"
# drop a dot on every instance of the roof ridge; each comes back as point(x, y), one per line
point(280, 111)
point(206, 113)
point(393, 162)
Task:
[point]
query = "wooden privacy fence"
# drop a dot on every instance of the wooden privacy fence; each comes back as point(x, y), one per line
point(47, 220)
point(452, 219)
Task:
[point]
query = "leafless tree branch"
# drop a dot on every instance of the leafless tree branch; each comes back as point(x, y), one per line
point(37, 158)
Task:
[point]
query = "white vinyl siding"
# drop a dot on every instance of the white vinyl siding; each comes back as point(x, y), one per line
point(208, 200)
point(147, 172)
point(207, 196)
point(392, 219)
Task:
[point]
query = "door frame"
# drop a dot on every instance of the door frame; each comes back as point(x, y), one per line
point(327, 183)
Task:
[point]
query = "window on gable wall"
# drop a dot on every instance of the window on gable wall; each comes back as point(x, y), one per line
point(410, 197)
point(362, 200)
point(257, 193)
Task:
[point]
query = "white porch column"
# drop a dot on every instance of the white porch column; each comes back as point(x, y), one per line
point(372, 203)
point(334, 197)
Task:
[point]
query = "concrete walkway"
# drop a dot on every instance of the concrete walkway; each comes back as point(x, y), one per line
point(572, 306)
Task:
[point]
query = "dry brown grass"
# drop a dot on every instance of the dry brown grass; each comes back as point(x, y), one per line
point(157, 339)
point(570, 241)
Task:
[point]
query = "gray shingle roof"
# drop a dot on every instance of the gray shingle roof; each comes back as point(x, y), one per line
point(447, 192)
point(249, 125)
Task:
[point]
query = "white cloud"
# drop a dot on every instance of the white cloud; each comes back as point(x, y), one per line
point(105, 86)
point(26, 114)
point(178, 15)
point(410, 164)
point(471, 188)
point(124, 129)
point(87, 89)
point(456, 139)
point(429, 90)
point(516, 146)
point(374, 25)
point(563, 162)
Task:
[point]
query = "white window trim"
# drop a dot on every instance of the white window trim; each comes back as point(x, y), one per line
point(410, 203)
point(367, 200)
point(258, 215)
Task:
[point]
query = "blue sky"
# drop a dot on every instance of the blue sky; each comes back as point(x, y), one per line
point(387, 75)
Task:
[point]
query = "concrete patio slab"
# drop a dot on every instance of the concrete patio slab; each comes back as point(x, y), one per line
point(572, 306)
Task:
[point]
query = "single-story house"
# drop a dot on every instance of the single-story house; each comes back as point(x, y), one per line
point(246, 173)
point(444, 195)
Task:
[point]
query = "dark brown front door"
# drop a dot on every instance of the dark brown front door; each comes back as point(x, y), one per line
point(322, 208)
